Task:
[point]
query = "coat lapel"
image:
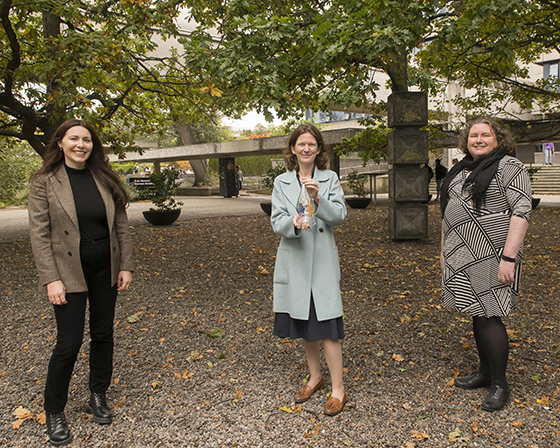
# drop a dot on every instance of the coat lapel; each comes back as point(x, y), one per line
point(291, 188)
point(63, 191)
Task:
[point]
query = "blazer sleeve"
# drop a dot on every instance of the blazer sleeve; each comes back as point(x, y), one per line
point(124, 238)
point(40, 231)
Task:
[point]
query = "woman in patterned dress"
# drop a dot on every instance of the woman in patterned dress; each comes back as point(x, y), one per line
point(486, 207)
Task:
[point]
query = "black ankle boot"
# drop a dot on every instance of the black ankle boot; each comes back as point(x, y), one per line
point(57, 429)
point(98, 407)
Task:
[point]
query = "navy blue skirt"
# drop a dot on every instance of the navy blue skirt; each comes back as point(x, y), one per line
point(311, 330)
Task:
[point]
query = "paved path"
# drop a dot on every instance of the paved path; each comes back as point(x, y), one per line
point(14, 221)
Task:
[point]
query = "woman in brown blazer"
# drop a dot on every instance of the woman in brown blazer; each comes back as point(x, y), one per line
point(83, 251)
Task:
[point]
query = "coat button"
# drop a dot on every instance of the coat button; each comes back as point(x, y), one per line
point(66, 232)
point(70, 253)
point(320, 229)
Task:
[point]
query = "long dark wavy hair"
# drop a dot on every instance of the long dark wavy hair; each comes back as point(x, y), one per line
point(322, 159)
point(503, 136)
point(97, 161)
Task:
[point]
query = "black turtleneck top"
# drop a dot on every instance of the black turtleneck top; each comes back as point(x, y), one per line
point(90, 208)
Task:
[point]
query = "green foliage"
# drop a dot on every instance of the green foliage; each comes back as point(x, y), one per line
point(532, 170)
point(272, 174)
point(17, 162)
point(357, 183)
point(99, 61)
point(161, 194)
point(371, 142)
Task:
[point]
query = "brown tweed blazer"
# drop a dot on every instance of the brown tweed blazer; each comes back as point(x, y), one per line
point(55, 234)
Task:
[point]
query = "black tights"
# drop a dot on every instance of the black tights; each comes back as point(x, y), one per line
point(493, 348)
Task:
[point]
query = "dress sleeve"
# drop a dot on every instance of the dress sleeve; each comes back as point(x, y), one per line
point(517, 188)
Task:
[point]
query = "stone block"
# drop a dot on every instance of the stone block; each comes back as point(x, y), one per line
point(407, 109)
point(408, 222)
point(408, 183)
point(407, 147)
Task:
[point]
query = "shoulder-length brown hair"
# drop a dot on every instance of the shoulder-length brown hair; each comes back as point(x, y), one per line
point(503, 136)
point(322, 159)
point(97, 161)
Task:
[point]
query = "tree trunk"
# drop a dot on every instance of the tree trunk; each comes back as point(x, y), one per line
point(398, 72)
point(199, 166)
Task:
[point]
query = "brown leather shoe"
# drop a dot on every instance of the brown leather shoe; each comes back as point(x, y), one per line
point(334, 405)
point(306, 391)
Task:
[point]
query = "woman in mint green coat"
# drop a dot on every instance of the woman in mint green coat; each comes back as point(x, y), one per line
point(307, 299)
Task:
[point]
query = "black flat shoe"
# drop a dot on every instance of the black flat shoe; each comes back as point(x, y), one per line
point(496, 399)
point(57, 429)
point(475, 381)
point(98, 408)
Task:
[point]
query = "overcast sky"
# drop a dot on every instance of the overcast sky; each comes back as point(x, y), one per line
point(249, 121)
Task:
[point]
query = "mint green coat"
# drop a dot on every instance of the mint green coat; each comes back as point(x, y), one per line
point(307, 260)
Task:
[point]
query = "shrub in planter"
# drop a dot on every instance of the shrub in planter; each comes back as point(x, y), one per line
point(165, 209)
point(357, 183)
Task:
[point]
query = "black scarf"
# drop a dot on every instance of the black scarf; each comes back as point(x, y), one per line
point(482, 170)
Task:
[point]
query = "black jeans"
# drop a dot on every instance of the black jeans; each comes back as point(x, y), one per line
point(70, 320)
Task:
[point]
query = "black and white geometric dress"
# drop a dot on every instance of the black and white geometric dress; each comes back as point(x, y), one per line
point(474, 241)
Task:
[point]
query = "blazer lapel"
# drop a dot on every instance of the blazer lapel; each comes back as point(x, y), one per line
point(108, 201)
point(63, 191)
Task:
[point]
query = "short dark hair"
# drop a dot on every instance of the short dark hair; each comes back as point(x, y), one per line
point(503, 135)
point(322, 159)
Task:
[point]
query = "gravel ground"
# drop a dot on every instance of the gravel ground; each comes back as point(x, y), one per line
point(196, 364)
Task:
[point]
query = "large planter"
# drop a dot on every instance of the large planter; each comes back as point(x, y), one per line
point(162, 218)
point(358, 202)
point(266, 207)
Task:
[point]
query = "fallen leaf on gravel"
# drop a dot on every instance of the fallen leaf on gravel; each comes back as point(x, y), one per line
point(314, 432)
point(216, 333)
point(419, 435)
point(517, 423)
point(406, 406)
point(3, 374)
point(545, 401)
point(398, 358)
point(291, 410)
point(238, 394)
point(135, 318)
point(451, 382)
point(455, 436)
point(410, 445)
point(21, 415)
point(41, 418)
point(132, 354)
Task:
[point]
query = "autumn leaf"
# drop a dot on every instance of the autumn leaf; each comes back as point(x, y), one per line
point(517, 423)
point(216, 333)
point(451, 382)
point(238, 394)
point(545, 401)
point(419, 435)
point(135, 318)
point(291, 410)
point(398, 358)
point(21, 415)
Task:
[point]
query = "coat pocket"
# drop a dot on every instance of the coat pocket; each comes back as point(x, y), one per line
point(281, 273)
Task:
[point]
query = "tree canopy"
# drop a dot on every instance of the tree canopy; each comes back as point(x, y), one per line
point(97, 60)
point(288, 55)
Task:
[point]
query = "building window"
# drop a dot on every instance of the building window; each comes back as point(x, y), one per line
point(551, 69)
